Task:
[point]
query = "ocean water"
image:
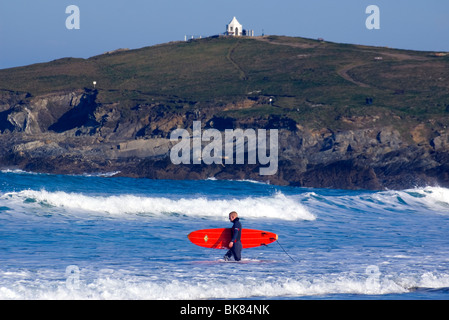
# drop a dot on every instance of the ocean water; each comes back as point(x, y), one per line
point(100, 237)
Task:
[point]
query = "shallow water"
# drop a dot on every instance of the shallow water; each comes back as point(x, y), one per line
point(89, 237)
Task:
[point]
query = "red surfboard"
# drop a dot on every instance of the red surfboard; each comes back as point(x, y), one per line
point(219, 238)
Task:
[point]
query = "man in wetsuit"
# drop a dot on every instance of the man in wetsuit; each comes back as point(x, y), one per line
point(235, 245)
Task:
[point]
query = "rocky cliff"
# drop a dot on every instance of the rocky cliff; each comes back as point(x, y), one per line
point(324, 141)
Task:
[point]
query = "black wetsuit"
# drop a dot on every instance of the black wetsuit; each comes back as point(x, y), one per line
point(236, 250)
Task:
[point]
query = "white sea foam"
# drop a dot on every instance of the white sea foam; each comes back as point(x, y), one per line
point(102, 174)
point(419, 199)
point(434, 196)
point(17, 171)
point(277, 206)
point(431, 199)
point(122, 285)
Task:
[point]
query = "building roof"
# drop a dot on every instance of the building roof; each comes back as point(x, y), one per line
point(234, 22)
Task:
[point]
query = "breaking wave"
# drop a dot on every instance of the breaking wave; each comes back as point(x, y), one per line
point(432, 199)
point(303, 206)
point(119, 284)
point(277, 206)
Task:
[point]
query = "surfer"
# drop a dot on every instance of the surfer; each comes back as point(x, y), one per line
point(235, 246)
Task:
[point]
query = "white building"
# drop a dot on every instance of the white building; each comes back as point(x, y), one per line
point(234, 28)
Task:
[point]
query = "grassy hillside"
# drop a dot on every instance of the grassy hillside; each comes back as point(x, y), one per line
point(311, 82)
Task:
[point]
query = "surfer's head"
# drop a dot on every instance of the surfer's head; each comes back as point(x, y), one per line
point(233, 215)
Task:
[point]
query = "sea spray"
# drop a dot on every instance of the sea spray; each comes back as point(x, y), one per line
point(277, 206)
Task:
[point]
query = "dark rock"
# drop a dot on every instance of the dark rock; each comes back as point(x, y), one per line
point(81, 115)
point(71, 132)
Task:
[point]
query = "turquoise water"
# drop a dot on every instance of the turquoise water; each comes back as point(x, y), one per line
point(99, 237)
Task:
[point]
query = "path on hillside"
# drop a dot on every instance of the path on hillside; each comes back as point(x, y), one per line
point(344, 71)
point(242, 73)
point(289, 44)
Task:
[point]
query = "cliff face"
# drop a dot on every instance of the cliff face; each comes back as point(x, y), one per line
point(341, 123)
point(71, 133)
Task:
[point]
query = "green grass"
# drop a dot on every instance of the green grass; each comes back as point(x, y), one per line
point(305, 77)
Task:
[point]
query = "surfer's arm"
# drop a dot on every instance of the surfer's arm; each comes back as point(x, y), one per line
point(235, 233)
point(234, 236)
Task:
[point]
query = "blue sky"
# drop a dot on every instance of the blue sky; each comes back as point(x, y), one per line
point(33, 31)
